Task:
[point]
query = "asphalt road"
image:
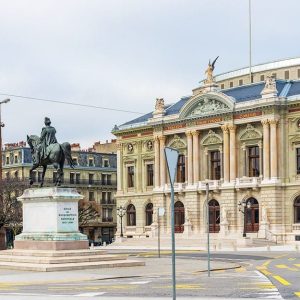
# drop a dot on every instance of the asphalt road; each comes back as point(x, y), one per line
point(261, 275)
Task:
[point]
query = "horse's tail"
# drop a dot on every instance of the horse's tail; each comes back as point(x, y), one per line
point(67, 151)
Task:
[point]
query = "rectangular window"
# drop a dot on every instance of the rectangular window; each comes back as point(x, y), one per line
point(253, 161)
point(286, 74)
point(150, 175)
point(7, 160)
point(231, 84)
point(298, 73)
point(274, 75)
point(75, 161)
point(241, 82)
point(105, 163)
point(16, 159)
point(181, 168)
point(130, 176)
point(104, 196)
point(16, 175)
point(72, 178)
point(222, 86)
point(108, 196)
point(262, 77)
point(91, 196)
point(107, 215)
point(298, 160)
point(108, 179)
point(77, 178)
point(40, 175)
point(215, 165)
point(103, 179)
point(34, 176)
point(91, 162)
point(91, 178)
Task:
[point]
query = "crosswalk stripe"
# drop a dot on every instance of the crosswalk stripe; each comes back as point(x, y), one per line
point(89, 294)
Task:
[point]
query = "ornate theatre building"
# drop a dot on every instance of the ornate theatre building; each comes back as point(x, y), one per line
point(243, 141)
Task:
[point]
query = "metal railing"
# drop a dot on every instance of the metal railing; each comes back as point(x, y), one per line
point(108, 202)
point(107, 219)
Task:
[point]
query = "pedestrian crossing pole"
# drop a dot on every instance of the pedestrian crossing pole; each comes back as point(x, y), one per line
point(172, 159)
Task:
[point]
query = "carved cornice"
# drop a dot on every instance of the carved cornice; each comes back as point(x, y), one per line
point(177, 143)
point(250, 133)
point(212, 138)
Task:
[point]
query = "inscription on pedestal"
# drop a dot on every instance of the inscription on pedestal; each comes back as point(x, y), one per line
point(67, 217)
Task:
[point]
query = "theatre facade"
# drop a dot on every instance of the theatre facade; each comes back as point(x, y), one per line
point(243, 141)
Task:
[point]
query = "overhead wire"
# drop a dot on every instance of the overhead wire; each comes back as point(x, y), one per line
point(70, 103)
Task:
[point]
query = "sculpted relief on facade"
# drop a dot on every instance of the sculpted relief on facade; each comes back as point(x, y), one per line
point(250, 133)
point(177, 143)
point(208, 106)
point(211, 138)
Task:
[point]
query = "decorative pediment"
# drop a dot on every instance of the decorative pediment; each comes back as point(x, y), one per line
point(295, 140)
point(207, 104)
point(250, 133)
point(177, 142)
point(212, 138)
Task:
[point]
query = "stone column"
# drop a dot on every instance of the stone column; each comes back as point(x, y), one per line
point(196, 155)
point(119, 166)
point(260, 158)
point(221, 163)
point(206, 164)
point(226, 152)
point(156, 162)
point(162, 140)
point(273, 154)
point(232, 129)
point(244, 160)
point(266, 149)
point(190, 157)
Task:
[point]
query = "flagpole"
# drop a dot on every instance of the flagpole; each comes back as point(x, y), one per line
point(250, 44)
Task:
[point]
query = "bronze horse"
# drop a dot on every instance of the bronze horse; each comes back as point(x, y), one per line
point(56, 156)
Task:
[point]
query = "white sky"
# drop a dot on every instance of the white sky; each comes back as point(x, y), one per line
point(123, 54)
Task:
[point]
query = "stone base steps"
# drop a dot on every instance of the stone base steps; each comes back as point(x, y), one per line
point(263, 242)
point(49, 261)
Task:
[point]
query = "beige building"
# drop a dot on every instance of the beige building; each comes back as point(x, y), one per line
point(94, 176)
point(243, 141)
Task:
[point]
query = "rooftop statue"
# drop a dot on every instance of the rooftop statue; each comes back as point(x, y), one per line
point(209, 71)
point(45, 150)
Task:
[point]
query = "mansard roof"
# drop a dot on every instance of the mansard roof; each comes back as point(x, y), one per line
point(239, 94)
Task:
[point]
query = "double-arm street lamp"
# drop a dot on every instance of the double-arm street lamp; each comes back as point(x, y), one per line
point(121, 211)
point(1, 125)
point(243, 206)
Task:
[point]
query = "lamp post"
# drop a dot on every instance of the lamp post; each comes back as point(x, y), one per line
point(243, 205)
point(1, 125)
point(121, 211)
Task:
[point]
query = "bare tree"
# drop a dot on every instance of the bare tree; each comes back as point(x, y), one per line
point(10, 207)
point(87, 212)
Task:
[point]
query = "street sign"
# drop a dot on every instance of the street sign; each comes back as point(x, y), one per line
point(172, 158)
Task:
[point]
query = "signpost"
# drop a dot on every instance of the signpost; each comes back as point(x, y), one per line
point(208, 241)
point(160, 213)
point(172, 158)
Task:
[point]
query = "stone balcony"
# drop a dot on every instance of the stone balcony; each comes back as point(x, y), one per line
point(213, 185)
point(247, 182)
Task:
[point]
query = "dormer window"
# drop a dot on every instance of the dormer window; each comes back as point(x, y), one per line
point(91, 162)
point(106, 163)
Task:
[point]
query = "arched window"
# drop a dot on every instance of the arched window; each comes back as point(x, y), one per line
point(149, 214)
point(297, 210)
point(179, 216)
point(252, 215)
point(131, 215)
point(214, 216)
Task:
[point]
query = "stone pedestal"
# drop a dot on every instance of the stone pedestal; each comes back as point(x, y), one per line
point(263, 228)
point(187, 228)
point(50, 220)
point(224, 228)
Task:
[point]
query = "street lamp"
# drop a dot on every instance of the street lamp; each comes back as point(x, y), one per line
point(1, 125)
point(121, 211)
point(242, 208)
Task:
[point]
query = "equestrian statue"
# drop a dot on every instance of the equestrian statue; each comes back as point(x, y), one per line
point(45, 150)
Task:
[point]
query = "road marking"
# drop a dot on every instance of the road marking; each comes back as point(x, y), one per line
point(297, 294)
point(241, 269)
point(139, 282)
point(285, 267)
point(266, 272)
point(281, 280)
point(297, 265)
point(182, 287)
point(292, 258)
point(89, 294)
point(265, 264)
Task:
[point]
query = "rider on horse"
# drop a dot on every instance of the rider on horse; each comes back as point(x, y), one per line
point(47, 138)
